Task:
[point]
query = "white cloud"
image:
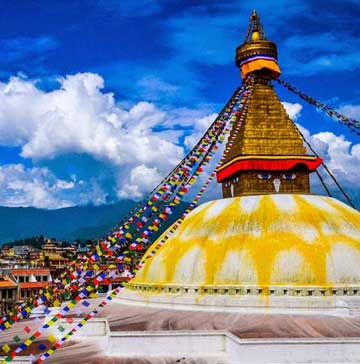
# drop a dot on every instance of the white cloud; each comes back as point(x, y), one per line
point(31, 187)
point(80, 118)
point(293, 110)
point(39, 187)
point(140, 143)
point(339, 154)
point(350, 110)
point(148, 178)
point(199, 127)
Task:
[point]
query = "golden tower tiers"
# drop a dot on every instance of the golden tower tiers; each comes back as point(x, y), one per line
point(269, 244)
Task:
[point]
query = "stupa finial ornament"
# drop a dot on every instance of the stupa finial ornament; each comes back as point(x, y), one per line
point(257, 52)
point(255, 30)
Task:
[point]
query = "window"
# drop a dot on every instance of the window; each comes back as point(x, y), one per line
point(25, 293)
point(6, 294)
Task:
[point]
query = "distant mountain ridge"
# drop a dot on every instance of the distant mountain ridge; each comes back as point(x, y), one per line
point(70, 223)
point(80, 222)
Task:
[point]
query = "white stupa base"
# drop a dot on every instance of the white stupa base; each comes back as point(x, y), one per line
point(210, 346)
point(223, 347)
point(312, 305)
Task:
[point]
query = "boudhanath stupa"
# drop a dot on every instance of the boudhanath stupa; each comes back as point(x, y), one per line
point(269, 273)
point(269, 242)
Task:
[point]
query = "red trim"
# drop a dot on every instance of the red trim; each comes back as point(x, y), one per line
point(267, 165)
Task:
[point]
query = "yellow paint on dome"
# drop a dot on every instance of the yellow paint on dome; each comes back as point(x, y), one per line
point(269, 240)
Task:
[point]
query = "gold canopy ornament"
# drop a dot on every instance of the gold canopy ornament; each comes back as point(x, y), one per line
point(257, 53)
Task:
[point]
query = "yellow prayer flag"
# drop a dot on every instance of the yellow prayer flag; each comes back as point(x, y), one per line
point(5, 348)
point(51, 338)
point(28, 342)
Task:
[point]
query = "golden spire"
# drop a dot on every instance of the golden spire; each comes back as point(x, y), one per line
point(255, 30)
point(266, 154)
point(257, 53)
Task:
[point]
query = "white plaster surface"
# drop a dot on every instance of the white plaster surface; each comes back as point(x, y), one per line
point(307, 305)
point(235, 350)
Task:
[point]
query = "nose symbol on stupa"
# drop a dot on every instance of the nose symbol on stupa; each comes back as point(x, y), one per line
point(277, 184)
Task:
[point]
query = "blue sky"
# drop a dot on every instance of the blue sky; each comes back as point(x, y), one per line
point(99, 99)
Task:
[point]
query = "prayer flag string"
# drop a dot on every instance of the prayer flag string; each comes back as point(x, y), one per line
point(101, 276)
point(352, 124)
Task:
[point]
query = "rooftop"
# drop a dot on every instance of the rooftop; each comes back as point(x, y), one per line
point(30, 271)
point(33, 284)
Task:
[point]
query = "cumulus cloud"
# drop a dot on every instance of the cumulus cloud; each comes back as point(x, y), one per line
point(141, 143)
point(293, 109)
point(40, 187)
point(149, 178)
point(32, 187)
point(79, 118)
point(340, 156)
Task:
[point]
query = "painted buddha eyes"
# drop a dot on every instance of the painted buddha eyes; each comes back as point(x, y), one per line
point(286, 176)
point(264, 176)
point(289, 176)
